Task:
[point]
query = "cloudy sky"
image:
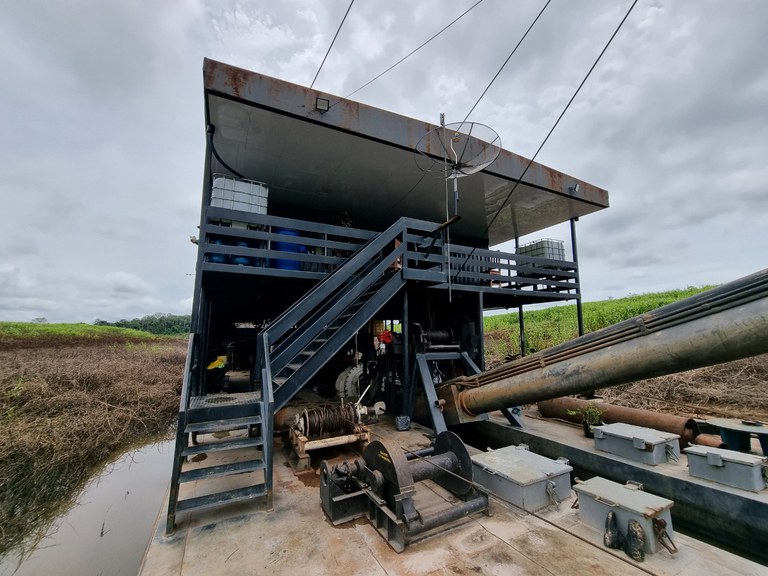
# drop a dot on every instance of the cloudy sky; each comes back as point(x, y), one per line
point(101, 103)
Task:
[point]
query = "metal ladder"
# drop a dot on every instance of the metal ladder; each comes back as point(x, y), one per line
point(197, 449)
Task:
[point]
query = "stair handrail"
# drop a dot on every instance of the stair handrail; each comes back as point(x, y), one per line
point(267, 414)
point(188, 372)
point(323, 315)
point(295, 313)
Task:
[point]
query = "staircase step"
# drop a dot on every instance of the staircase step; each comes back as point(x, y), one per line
point(232, 444)
point(221, 470)
point(307, 353)
point(294, 366)
point(223, 406)
point(222, 425)
point(210, 500)
point(279, 380)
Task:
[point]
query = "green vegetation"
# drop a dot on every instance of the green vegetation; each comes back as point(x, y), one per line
point(164, 324)
point(14, 334)
point(557, 324)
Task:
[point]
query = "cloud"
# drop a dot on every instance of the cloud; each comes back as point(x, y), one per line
point(102, 107)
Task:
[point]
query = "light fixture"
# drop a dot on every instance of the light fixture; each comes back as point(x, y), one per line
point(322, 104)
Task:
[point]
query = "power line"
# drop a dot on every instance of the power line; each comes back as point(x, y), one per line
point(530, 162)
point(507, 60)
point(411, 53)
point(332, 41)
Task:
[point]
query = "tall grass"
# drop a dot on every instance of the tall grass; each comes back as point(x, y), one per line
point(557, 324)
point(26, 334)
point(72, 396)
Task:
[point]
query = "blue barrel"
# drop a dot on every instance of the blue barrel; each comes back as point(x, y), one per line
point(287, 247)
point(217, 258)
point(241, 260)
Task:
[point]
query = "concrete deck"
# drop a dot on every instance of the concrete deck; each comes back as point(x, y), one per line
point(297, 538)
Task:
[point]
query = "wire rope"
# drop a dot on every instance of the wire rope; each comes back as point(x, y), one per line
point(411, 53)
point(332, 42)
point(507, 60)
point(551, 130)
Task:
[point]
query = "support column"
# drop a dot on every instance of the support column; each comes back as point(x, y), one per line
point(579, 311)
point(406, 373)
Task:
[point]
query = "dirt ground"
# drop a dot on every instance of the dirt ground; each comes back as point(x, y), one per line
point(736, 389)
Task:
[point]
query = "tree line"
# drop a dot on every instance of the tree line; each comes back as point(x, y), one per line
point(160, 323)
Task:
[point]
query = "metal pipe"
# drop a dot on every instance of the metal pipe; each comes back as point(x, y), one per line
point(571, 409)
point(431, 467)
point(713, 440)
point(442, 517)
point(662, 342)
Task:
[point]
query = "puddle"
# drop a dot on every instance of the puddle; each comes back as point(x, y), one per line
point(107, 531)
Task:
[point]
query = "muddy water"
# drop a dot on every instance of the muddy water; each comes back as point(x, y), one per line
point(106, 532)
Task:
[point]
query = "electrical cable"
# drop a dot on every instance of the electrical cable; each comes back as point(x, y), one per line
point(211, 132)
point(507, 60)
point(332, 41)
point(546, 138)
point(411, 53)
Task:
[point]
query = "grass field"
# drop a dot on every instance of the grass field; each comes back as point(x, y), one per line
point(71, 397)
point(733, 390)
point(557, 324)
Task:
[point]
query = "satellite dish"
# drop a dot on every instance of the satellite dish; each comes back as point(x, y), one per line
point(453, 151)
point(458, 149)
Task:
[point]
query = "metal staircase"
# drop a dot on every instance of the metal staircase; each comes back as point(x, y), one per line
point(290, 351)
point(297, 344)
point(248, 452)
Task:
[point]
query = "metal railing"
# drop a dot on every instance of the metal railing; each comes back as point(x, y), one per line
point(286, 247)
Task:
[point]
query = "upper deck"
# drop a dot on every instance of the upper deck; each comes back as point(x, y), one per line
point(356, 163)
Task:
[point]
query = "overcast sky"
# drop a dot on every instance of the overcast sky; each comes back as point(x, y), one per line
point(102, 159)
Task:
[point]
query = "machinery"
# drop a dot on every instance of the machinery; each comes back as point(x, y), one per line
point(332, 425)
point(382, 484)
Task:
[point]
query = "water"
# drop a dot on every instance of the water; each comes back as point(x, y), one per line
point(107, 531)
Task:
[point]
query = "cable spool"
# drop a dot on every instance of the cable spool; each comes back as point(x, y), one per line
point(438, 336)
point(328, 420)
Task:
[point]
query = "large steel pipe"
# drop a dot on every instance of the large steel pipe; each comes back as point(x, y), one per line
point(572, 408)
point(701, 335)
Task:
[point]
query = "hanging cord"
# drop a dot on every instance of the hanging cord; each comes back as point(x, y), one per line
point(507, 60)
point(411, 53)
point(211, 131)
point(530, 162)
point(332, 41)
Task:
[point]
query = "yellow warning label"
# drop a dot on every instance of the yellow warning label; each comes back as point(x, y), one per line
point(384, 456)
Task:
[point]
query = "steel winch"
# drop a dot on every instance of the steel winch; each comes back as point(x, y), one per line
point(381, 487)
point(332, 425)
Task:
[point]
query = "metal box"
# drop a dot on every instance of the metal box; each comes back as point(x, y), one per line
point(598, 496)
point(525, 479)
point(729, 467)
point(238, 194)
point(637, 443)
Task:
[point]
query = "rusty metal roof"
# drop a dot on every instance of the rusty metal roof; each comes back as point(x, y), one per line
point(361, 159)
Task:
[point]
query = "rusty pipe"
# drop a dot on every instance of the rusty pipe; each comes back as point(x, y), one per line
point(720, 325)
point(713, 440)
point(684, 427)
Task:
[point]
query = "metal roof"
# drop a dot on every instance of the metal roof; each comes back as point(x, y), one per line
point(361, 159)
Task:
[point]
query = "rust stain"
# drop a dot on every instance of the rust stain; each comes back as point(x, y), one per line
point(554, 179)
point(236, 79)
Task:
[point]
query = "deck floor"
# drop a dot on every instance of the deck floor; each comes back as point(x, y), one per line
point(297, 538)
